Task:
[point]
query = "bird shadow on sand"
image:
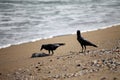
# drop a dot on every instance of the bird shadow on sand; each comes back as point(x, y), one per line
point(36, 55)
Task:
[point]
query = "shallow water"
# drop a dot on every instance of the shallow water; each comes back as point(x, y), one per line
point(30, 20)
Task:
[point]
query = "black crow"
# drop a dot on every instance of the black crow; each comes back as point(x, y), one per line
point(83, 42)
point(51, 47)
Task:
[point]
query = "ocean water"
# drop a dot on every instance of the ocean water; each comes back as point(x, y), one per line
point(30, 20)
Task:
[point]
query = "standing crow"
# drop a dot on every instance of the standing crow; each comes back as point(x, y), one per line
point(83, 42)
point(51, 47)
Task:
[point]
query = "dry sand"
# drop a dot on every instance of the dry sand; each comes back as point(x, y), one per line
point(102, 63)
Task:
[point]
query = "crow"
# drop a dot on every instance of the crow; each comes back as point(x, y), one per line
point(83, 42)
point(51, 47)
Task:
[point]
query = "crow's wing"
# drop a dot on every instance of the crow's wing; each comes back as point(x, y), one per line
point(59, 44)
point(86, 42)
point(52, 46)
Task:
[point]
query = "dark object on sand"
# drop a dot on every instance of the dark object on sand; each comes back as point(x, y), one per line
point(34, 55)
point(83, 42)
point(51, 47)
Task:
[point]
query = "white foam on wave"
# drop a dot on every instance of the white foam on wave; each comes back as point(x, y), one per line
point(41, 21)
point(104, 27)
point(22, 42)
point(37, 39)
point(5, 46)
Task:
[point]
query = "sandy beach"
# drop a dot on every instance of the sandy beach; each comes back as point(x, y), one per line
point(102, 63)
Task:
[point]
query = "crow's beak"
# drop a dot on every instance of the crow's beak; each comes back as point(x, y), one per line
point(41, 48)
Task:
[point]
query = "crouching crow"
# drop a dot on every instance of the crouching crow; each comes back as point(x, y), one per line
point(51, 47)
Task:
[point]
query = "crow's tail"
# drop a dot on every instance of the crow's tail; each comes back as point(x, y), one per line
point(60, 44)
point(94, 45)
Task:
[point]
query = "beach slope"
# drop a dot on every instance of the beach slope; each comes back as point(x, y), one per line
point(67, 63)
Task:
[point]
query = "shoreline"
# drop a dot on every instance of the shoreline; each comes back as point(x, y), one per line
point(34, 40)
point(17, 58)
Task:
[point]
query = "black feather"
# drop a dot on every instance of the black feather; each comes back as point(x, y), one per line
point(51, 47)
point(84, 42)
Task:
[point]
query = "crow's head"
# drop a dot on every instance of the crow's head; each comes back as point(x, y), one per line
point(78, 33)
point(42, 47)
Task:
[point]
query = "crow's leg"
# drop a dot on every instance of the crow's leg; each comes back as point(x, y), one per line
point(82, 48)
point(52, 52)
point(49, 52)
point(85, 48)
